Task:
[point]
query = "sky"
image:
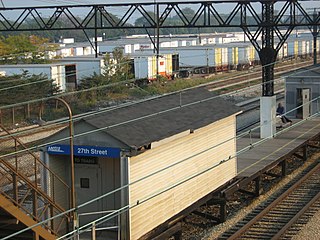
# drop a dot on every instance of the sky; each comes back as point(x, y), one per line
point(221, 8)
point(33, 3)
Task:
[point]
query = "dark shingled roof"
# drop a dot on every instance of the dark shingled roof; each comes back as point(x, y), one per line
point(313, 70)
point(166, 116)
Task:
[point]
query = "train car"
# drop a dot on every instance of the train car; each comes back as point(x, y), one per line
point(233, 57)
point(145, 66)
point(302, 48)
point(200, 59)
point(57, 72)
point(283, 52)
point(220, 59)
point(215, 58)
point(241, 56)
point(293, 46)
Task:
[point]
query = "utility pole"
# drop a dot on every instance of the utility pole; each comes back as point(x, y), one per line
point(158, 39)
point(315, 34)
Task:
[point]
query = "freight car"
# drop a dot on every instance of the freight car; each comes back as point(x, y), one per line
point(206, 59)
point(145, 66)
point(215, 58)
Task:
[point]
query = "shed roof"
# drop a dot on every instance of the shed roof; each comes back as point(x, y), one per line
point(159, 118)
point(313, 70)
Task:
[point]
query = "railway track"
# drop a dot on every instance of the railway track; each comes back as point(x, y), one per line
point(281, 217)
point(254, 76)
point(33, 133)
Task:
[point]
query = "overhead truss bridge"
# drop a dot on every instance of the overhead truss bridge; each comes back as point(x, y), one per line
point(272, 21)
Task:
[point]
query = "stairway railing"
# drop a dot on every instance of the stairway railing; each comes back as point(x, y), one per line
point(31, 185)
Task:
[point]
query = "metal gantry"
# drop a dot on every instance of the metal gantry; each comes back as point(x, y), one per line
point(257, 18)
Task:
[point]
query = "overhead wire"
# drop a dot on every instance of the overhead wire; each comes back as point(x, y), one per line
point(128, 121)
point(112, 65)
point(176, 184)
point(138, 202)
point(128, 207)
point(135, 102)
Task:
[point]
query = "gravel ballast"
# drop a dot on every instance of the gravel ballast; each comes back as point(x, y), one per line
point(310, 231)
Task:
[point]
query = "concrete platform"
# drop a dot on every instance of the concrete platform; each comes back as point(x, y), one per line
point(264, 154)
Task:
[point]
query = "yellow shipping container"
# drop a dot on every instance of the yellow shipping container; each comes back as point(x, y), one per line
point(218, 57)
point(164, 66)
point(235, 56)
point(252, 52)
point(168, 61)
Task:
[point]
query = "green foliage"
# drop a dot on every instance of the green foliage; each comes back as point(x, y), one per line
point(24, 49)
point(117, 69)
point(117, 66)
point(189, 14)
point(77, 34)
point(28, 87)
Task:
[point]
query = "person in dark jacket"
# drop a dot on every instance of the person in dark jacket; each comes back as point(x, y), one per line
point(280, 112)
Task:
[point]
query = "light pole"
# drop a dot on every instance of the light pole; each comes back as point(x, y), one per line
point(156, 9)
point(71, 133)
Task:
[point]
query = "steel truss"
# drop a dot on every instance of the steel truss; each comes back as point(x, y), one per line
point(273, 27)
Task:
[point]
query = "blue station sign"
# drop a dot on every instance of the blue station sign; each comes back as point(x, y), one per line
point(89, 151)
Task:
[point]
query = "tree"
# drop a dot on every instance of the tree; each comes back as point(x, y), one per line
point(117, 66)
point(25, 85)
point(25, 49)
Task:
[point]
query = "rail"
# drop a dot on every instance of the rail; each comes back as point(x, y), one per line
point(282, 212)
point(109, 216)
point(108, 227)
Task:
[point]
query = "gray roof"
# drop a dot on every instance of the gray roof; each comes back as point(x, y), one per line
point(312, 70)
point(163, 117)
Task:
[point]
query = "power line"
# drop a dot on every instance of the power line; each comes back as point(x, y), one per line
point(147, 198)
point(133, 103)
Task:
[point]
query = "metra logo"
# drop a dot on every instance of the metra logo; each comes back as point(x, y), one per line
point(55, 149)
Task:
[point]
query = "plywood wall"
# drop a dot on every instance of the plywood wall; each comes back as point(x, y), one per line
point(197, 153)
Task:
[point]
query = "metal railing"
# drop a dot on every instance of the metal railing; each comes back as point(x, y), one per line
point(106, 217)
point(106, 226)
point(20, 182)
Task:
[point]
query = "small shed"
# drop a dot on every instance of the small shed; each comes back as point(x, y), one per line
point(166, 153)
point(302, 89)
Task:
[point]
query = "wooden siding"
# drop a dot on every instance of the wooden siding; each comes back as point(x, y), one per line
point(197, 148)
